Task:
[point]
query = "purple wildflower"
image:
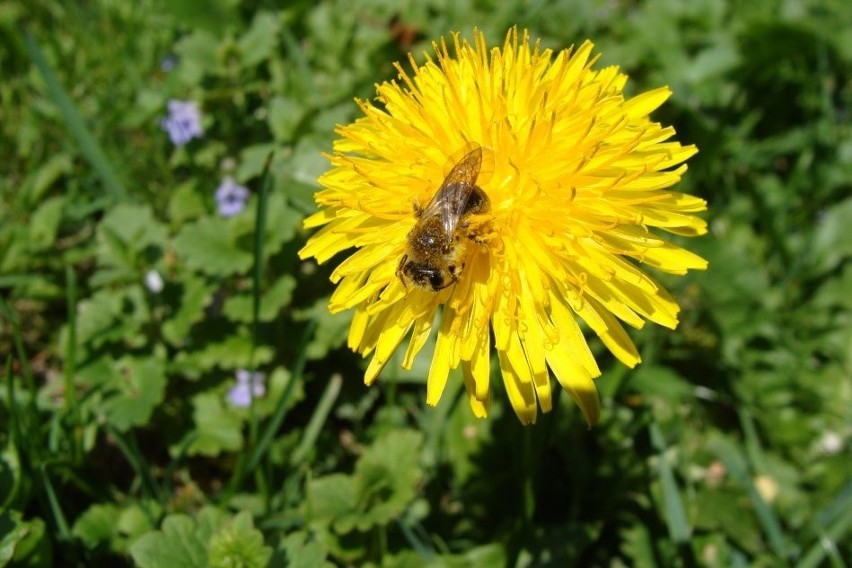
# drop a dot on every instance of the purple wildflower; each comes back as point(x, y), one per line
point(249, 385)
point(183, 123)
point(231, 197)
point(168, 63)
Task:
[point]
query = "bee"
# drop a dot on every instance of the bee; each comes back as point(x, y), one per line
point(436, 244)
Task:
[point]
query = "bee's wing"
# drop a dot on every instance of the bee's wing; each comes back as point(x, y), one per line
point(450, 200)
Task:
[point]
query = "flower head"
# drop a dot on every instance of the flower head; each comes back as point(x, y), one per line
point(183, 123)
point(249, 385)
point(230, 197)
point(575, 176)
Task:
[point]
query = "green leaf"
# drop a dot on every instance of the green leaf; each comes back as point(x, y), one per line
point(196, 296)
point(178, 545)
point(285, 114)
point(233, 352)
point(13, 480)
point(239, 307)
point(45, 223)
point(218, 430)
point(303, 552)
point(112, 316)
point(51, 170)
point(136, 520)
point(239, 545)
point(213, 15)
point(663, 388)
point(833, 239)
point(253, 160)
point(136, 387)
point(261, 40)
point(129, 236)
point(209, 247)
point(97, 525)
point(331, 331)
point(330, 497)
point(385, 481)
point(284, 222)
point(23, 543)
point(187, 202)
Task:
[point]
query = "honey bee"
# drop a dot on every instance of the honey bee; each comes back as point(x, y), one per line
point(437, 244)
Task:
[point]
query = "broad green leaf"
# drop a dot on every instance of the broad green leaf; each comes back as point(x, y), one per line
point(129, 236)
point(252, 160)
point(240, 307)
point(663, 387)
point(23, 543)
point(47, 174)
point(233, 352)
point(331, 331)
point(303, 552)
point(218, 430)
point(285, 114)
point(261, 40)
point(177, 545)
point(239, 545)
point(385, 481)
point(97, 525)
point(136, 388)
point(213, 16)
point(187, 202)
point(196, 295)
point(833, 238)
point(135, 520)
point(207, 245)
point(112, 316)
point(282, 224)
point(45, 223)
point(329, 497)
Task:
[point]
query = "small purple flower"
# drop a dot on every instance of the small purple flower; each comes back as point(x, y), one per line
point(183, 123)
point(231, 197)
point(249, 385)
point(168, 63)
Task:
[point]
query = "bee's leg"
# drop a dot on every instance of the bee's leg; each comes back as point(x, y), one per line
point(453, 277)
point(475, 235)
point(400, 273)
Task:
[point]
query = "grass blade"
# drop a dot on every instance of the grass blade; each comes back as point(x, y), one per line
point(329, 396)
point(88, 144)
point(827, 545)
point(736, 465)
point(257, 285)
point(26, 371)
point(63, 530)
point(676, 520)
point(69, 365)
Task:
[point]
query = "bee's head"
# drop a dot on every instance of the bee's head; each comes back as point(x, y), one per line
point(423, 275)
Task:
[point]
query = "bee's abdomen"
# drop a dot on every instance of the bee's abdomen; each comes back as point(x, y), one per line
point(477, 202)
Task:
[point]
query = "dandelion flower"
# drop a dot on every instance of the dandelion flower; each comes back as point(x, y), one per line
point(577, 179)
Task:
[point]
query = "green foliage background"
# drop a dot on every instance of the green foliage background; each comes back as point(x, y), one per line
point(729, 446)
